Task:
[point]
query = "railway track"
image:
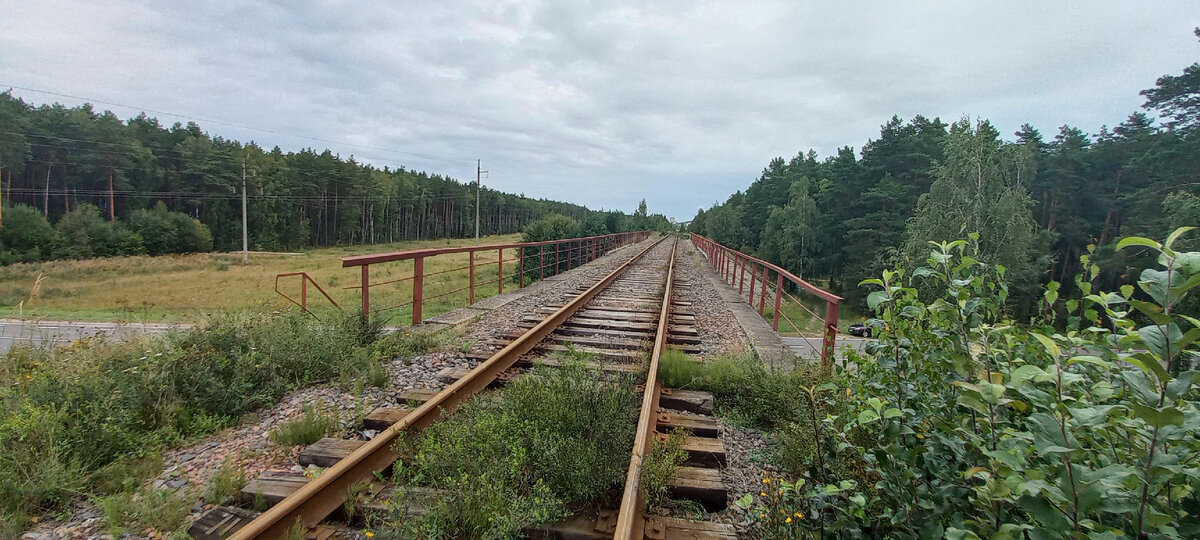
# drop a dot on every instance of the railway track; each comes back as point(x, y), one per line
point(615, 320)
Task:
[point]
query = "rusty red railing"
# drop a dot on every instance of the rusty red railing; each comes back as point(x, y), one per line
point(732, 267)
point(566, 254)
point(305, 279)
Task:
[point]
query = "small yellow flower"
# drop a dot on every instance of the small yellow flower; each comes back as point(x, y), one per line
point(762, 515)
point(919, 436)
point(781, 492)
point(763, 494)
point(798, 515)
point(368, 534)
point(766, 480)
point(788, 520)
point(847, 391)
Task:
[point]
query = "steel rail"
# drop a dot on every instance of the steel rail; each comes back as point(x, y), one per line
point(631, 521)
point(313, 502)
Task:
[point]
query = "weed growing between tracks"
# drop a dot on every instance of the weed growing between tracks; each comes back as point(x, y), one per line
point(89, 419)
point(519, 458)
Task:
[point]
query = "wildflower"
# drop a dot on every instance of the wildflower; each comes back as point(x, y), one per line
point(788, 520)
point(766, 480)
point(919, 436)
point(847, 391)
point(781, 492)
point(762, 515)
point(368, 534)
point(763, 494)
point(798, 515)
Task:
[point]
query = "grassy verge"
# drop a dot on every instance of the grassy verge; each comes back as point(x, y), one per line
point(520, 457)
point(89, 419)
point(183, 288)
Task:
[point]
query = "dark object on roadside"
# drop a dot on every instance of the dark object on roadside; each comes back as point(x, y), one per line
point(864, 330)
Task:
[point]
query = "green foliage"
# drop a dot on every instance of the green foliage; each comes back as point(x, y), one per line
point(516, 460)
point(159, 509)
point(678, 370)
point(659, 467)
point(163, 231)
point(309, 428)
point(82, 233)
point(88, 418)
point(25, 235)
point(974, 427)
point(225, 483)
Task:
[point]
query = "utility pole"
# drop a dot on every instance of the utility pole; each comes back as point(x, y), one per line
point(478, 183)
point(245, 243)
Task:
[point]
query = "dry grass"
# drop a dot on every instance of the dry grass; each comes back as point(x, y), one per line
point(186, 287)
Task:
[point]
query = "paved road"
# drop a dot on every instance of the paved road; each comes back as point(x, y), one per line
point(38, 333)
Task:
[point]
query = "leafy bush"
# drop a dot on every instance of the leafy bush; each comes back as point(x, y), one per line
point(516, 460)
point(83, 233)
point(26, 235)
point(1083, 426)
point(163, 231)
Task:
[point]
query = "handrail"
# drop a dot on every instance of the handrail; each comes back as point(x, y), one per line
point(305, 279)
point(731, 266)
point(577, 251)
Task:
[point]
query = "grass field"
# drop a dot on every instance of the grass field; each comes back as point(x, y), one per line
point(183, 288)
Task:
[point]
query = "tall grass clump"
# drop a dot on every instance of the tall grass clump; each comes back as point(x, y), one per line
point(84, 419)
point(678, 370)
point(518, 459)
point(307, 429)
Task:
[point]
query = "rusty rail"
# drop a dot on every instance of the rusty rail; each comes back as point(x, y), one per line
point(631, 519)
point(731, 266)
point(567, 253)
point(314, 501)
point(305, 279)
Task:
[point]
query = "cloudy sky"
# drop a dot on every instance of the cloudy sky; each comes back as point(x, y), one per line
point(601, 103)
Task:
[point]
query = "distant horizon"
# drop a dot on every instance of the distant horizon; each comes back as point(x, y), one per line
point(681, 105)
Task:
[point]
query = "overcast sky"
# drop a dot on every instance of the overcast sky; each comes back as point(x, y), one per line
point(600, 103)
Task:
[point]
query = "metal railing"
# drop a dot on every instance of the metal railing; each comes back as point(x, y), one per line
point(305, 279)
point(732, 265)
point(532, 260)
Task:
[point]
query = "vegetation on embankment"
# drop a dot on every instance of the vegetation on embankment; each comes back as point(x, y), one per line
point(89, 419)
point(518, 458)
point(189, 287)
point(961, 423)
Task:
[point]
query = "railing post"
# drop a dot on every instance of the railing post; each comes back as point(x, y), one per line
point(762, 296)
point(472, 282)
point(500, 270)
point(753, 276)
point(418, 288)
point(366, 293)
point(542, 262)
point(741, 277)
point(521, 267)
point(303, 291)
point(827, 345)
point(778, 293)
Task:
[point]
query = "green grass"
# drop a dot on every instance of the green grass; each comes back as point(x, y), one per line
point(309, 428)
point(89, 419)
point(678, 370)
point(520, 458)
point(189, 288)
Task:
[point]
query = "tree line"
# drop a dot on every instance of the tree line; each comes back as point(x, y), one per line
point(1038, 202)
point(60, 161)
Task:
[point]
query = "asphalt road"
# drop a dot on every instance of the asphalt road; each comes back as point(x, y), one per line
point(38, 333)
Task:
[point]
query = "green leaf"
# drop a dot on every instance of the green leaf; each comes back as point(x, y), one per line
point(1049, 344)
point(1149, 364)
point(924, 271)
point(1159, 341)
point(1095, 360)
point(1127, 291)
point(1170, 416)
point(1153, 311)
point(1025, 373)
point(745, 502)
point(1187, 263)
point(876, 298)
point(1174, 235)
point(892, 413)
point(960, 534)
point(867, 416)
point(1138, 241)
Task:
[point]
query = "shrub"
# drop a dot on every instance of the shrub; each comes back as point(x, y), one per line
point(26, 235)
point(225, 483)
point(83, 233)
point(163, 231)
point(972, 426)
